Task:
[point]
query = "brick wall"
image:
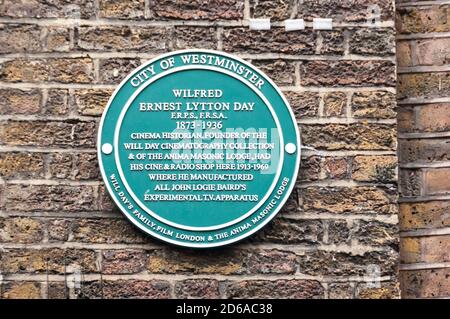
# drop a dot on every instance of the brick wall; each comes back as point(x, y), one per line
point(337, 237)
point(423, 49)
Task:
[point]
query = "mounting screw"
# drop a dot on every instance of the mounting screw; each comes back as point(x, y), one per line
point(294, 24)
point(290, 148)
point(322, 24)
point(107, 148)
point(259, 24)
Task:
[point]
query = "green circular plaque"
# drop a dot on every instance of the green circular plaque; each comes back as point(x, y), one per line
point(198, 148)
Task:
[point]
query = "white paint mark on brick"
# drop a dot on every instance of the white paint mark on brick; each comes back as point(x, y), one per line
point(75, 277)
point(259, 24)
point(373, 276)
point(322, 24)
point(373, 16)
point(294, 24)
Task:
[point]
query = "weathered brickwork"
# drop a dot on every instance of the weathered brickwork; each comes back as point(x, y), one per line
point(337, 236)
point(423, 52)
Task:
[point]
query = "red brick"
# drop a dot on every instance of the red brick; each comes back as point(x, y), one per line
point(437, 181)
point(423, 85)
point(410, 182)
point(375, 233)
point(113, 71)
point(57, 39)
point(191, 37)
point(136, 289)
point(433, 51)
point(280, 289)
point(425, 283)
point(334, 104)
point(57, 290)
point(331, 263)
point(339, 232)
point(50, 198)
point(17, 101)
point(123, 38)
point(57, 102)
point(64, 70)
point(91, 101)
point(122, 9)
point(276, 40)
point(432, 249)
point(48, 260)
point(432, 214)
point(404, 54)
point(21, 165)
point(105, 230)
point(123, 261)
point(280, 71)
point(344, 200)
point(332, 43)
point(335, 168)
point(52, 133)
point(340, 291)
point(276, 10)
point(21, 230)
point(433, 117)
point(423, 20)
point(17, 38)
point(44, 9)
point(304, 104)
point(347, 73)
point(345, 10)
point(22, 290)
point(424, 150)
point(74, 166)
point(196, 10)
point(283, 230)
point(197, 289)
point(231, 262)
point(405, 119)
point(369, 41)
point(291, 205)
point(349, 137)
point(311, 168)
point(409, 250)
point(386, 290)
point(375, 168)
point(59, 230)
point(374, 104)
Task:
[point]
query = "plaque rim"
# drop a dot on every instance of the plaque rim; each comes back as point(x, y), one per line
point(242, 236)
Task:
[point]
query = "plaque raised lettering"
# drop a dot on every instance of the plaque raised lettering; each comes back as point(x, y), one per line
point(198, 148)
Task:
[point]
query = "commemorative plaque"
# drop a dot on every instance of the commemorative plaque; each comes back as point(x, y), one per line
point(198, 148)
